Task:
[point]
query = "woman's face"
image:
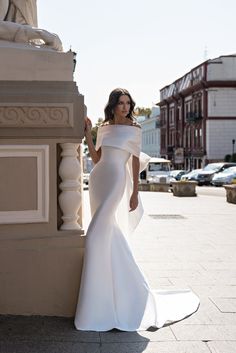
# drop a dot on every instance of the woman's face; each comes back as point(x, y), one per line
point(122, 108)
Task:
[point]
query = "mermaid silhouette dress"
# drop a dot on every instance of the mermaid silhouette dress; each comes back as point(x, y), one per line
point(114, 292)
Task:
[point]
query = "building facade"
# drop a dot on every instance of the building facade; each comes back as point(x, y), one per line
point(198, 114)
point(151, 133)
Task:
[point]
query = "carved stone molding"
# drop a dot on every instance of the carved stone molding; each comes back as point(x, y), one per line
point(70, 198)
point(36, 115)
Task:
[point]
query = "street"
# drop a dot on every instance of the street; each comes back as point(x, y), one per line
point(211, 191)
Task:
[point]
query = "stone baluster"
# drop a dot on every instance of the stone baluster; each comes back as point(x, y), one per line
point(70, 198)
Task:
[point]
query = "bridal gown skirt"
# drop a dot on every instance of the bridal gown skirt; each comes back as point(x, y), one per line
point(114, 292)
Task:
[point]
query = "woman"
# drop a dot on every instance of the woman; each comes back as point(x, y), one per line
point(114, 292)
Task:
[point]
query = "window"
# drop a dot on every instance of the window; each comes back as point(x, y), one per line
point(196, 138)
point(163, 140)
point(200, 138)
point(199, 102)
point(186, 138)
point(186, 110)
point(190, 137)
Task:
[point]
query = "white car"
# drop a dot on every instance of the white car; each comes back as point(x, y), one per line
point(225, 177)
point(191, 175)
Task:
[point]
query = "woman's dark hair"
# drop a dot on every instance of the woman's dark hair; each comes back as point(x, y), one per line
point(113, 101)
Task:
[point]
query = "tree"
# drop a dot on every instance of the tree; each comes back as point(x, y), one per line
point(230, 158)
point(142, 111)
point(227, 158)
point(233, 158)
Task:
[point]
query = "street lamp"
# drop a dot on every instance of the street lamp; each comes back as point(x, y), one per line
point(233, 143)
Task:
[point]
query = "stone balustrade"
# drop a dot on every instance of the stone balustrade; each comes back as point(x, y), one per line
point(70, 197)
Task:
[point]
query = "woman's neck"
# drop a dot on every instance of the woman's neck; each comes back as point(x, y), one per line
point(123, 121)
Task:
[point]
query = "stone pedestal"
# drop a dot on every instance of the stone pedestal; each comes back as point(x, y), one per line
point(19, 63)
point(41, 242)
point(157, 187)
point(185, 188)
point(230, 193)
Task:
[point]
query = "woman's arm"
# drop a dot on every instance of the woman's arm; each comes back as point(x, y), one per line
point(134, 196)
point(95, 155)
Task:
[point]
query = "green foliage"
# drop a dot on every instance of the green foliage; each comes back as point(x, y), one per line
point(233, 158)
point(230, 158)
point(142, 111)
point(227, 158)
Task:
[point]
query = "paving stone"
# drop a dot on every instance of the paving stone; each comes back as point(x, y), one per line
point(209, 314)
point(48, 347)
point(215, 290)
point(43, 328)
point(162, 334)
point(157, 347)
point(225, 305)
point(184, 332)
point(219, 265)
point(222, 347)
point(174, 265)
point(156, 281)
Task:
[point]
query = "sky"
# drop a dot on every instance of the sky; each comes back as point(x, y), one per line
point(140, 45)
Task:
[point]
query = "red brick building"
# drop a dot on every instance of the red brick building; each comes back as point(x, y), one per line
point(198, 114)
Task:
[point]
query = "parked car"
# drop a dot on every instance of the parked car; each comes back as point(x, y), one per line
point(191, 175)
point(225, 177)
point(157, 171)
point(176, 174)
point(86, 178)
point(206, 175)
point(187, 176)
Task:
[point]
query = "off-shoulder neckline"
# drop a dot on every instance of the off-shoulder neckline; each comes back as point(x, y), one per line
point(121, 125)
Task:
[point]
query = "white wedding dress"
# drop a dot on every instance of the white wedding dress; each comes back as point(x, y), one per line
point(114, 292)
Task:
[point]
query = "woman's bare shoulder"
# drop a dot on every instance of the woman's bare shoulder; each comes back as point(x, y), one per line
point(133, 123)
point(105, 123)
point(136, 124)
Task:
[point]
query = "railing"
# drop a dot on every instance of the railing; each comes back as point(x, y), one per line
point(193, 117)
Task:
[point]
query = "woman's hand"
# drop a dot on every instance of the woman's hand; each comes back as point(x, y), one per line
point(94, 154)
point(87, 126)
point(133, 203)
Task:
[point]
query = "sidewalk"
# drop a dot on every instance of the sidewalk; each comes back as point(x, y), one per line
point(180, 243)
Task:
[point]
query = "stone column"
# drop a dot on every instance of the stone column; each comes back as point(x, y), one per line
point(70, 197)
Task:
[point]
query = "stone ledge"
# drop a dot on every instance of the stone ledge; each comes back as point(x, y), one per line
point(35, 64)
